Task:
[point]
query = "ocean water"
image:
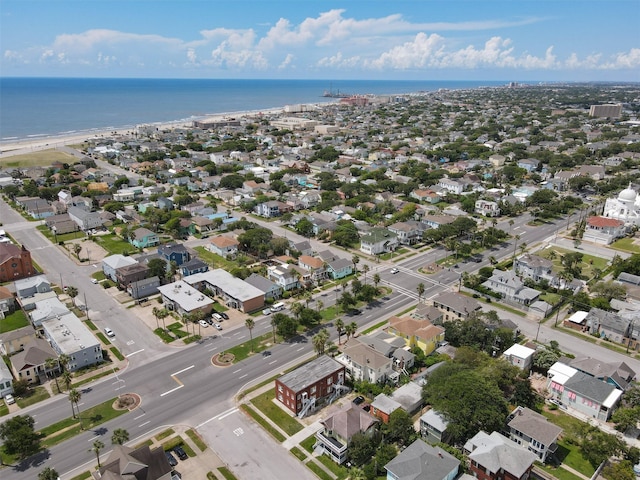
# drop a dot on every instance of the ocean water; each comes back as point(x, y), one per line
point(35, 107)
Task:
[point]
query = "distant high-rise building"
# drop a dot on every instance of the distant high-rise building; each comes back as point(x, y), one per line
point(611, 111)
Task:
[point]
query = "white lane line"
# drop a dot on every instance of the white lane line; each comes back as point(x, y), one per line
point(139, 416)
point(171, 391)
point(143, 424)
point(242, 376)
point(271, 363)
point(183, 370)
point(227, 414)
point(133, 353)
point(237, 370)
point(212, 349)
point(301, 348)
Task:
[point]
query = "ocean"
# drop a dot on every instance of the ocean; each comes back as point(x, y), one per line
point(43, 107)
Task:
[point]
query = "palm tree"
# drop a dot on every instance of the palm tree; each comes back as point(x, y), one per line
point(186, 319)
point(197, 316)
point(249, 323)
point(74, 398)
point(155, 312)
point(319, 305)
point(307, 297)
point(320, 340)
point(523, 247)
point(162, 314)
point(355, 260)
point(73, 293)
point(376, 280)
point(49, 365)
point(120, 436)
point(63, 361)
point(296, 309)
point(365, 269)
point(339, 324)
point(66, 380)
point(511, 222)
point(515, 245)
point(77, 248)
point(420, 290)
point(274, 325)
point(354, 328)
point(552, 255)
point(97, 446)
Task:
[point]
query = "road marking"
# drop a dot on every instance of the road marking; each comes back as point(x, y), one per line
point(171, 391)
point(133, 353)
point(242, 376)
point(130, 342)
point(301, 348)
point(212, 349)
point(183, 370)
point(139, 416)
point(225, 415)
point(221, 415)
point(143, 424)
point(237, 370)
point(238, 432)
point(271, 363)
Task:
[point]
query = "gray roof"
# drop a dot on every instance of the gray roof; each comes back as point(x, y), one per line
point(435, 419)
point(408, 395)
point(457, 302)
point(385, 404)
point(534, 425)
point(629, 278)
point(349, 420)
point(497, 452)
point(261, 283)
point(608, 320)
point(588, 387)
point(600, 369)
point(421, 461)
point(310, 373)
point(35, 353)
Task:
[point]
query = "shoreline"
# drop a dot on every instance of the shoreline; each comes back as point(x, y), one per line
point(20, 146)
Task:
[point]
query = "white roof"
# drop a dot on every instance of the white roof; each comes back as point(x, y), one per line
point(578, 317)
point(185, 295)
point(612, 399)
point(520, 351)
point(232, 286)
point(560, 373)
point(69, 333)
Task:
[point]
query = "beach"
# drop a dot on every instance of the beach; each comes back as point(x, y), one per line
point(28, 145)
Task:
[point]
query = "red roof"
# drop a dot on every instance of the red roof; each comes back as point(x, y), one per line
point(601, 222)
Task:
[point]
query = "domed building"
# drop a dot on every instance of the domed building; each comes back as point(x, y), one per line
point(625, 207)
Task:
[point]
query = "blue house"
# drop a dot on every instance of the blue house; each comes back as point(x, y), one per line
point(143, 238)
point(173, 252)
point(193, 266)
point(339, 268)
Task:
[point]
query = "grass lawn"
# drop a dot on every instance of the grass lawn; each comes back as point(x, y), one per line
point(226, 473)
point(589, 262)
point(308, 443)
point(196, 439)
point(37, 395)
point(43, 158)
point(82, 476)
point(176, 329)
point(4, 409)
point(559, 473)
point(319, 471)
point(626, 245)
point(374, 327)
point(286, 422)
point(165, 434)
point(551, 298)
point(243, 350)
point(114, 244)
point(13, 321)
point(214, 260)
point(338, 470)
point(263, 423)
point(567, 453)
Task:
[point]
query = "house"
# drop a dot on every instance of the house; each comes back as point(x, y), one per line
point(421, 461)
point(434, 221)
point(310, 385)
point(451, 186)
point(313, 265)
point(487, 208)
point(284, 275)
point(86, 220)
point(29, 287)
point(44, 307)
point(497, 160)
point(455, 306)
point(304, 247)
point(607, 325)
point(534, 267)
point(113, 262)
point(174, 252)
point(582, 392)
point(408, 233)
point(235, 292)
point(604, 230)
point(140, 463)
point(14, 340)
point(428, 196)
point(533, 432)
point(224, 246)
point(339, 268)
point(15, 263)
point(377, 241)
point(495, 457)
point(417, 333)
point(6, 380)
point(618, 374)
point(433, 427)
point(520, 356)
point(409, 396)
point(143, 238)
point(184, 299)
point(273, 208)
point(131, 273)
point(338, 429)
point(193, 266)
point(67, 335)
point(511, 288)
point(143, 288)
point(271, 290)
point(28, 364)
point(383, 406)
point(364, 363)
point(529, 164)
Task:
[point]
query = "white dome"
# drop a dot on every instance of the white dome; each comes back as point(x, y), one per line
point(628, 195)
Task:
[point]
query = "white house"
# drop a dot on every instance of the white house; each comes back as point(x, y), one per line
point(520, 356)
point(487, 208)
point(377, 241)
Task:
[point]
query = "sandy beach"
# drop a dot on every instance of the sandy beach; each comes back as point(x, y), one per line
point(22, 146)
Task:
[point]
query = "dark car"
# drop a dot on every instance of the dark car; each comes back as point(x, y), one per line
point(224, 315)
point(171, 459)
point(358, 400)
point(182, 455)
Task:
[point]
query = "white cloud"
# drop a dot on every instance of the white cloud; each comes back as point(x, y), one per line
point(287, 62)
point(191, 55)
point(338, 61)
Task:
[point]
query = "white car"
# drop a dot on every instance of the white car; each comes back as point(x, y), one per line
point(9, 400)
point(217, 316)
point(266, 311)
point(203, 323)
point(394, 270)
point(218, 326)
point(109, 332)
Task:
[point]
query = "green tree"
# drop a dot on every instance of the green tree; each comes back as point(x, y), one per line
point(376, 280)
point(286, 325)
point(362, 448)
point(346, 234)
point(355, 259)
point(96, 447)
point(339, 324)
point(622, 470)
point(63, 361)
point(19, 436)
point(157, 268)
point(250, 324)
point(48, 474)
point(320, 340)
point(73, 293)
point(400, 428)
point(74, 398)
point(120, 436)
point(50, 365)
point(305, 227)
point(346, 301)
point(66, 379)
point(77, 248)
point(420, 288)
point(625, 418)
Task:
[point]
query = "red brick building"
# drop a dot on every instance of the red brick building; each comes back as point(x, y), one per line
point(310, 385)
point(15, 263)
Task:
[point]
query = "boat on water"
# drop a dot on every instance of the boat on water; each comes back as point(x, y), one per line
point(331, 93)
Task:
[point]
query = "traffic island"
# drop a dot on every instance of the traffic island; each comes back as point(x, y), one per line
point(223, 359)
point(127, 401)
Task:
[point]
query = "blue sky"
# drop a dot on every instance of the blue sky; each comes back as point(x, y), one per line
point(519, 40)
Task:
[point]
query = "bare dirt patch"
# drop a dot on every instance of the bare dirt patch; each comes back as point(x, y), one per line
point(127, 401)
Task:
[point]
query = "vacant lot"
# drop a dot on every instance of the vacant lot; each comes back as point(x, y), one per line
point(42, 158)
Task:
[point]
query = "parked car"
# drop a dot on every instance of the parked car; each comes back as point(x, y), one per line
point(203, 323)
point(171, 459)
point(94, 280)
point(217, 316)
point(109, 332)
point(394, 270)
point(9, 400)
point(266, 311)
point(224, 315)
point(209, 321)
point(182, 455)
point(358, 400)
point(218, 326)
